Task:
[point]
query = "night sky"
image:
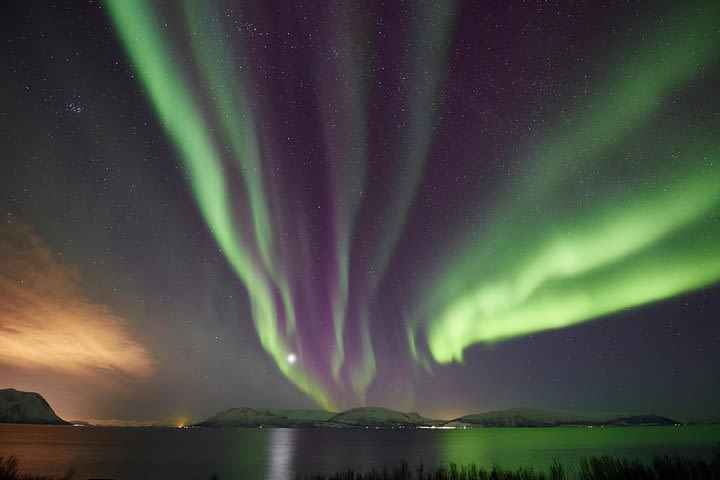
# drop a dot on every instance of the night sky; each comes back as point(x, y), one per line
point(445, 207)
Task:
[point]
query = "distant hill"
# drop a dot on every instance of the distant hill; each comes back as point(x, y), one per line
point(26, 407)
point(380, 417)
point(251, 417)
point(536, 417)
point(80, 423)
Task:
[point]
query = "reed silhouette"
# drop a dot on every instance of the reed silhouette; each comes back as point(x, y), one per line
point(665, 467)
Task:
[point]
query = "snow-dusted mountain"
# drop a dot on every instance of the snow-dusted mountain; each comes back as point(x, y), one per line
point(26, 407)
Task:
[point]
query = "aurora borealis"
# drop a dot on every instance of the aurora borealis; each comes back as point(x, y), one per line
point(426, 206)
point(246, 235)
point(608, 250)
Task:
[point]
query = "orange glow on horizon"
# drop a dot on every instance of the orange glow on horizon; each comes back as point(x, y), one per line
point(48, 324)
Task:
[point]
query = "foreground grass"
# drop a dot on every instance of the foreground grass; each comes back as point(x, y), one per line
point(9, 471)
point(594, 468)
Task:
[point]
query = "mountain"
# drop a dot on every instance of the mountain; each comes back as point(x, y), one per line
point(26, 407)
point(380, 417)
point(357, 417)
point(536, 417)
point(251, 417)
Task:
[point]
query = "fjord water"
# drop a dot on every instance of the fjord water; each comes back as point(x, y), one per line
point(233, 453)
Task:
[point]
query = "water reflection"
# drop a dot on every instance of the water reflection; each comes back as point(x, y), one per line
point(282, 453)
point(250, 453)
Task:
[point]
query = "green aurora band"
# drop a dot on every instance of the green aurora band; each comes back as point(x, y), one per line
point(557, 252)
point(170, 94)
point(238, 128)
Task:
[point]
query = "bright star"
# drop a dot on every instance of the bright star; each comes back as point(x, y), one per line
point(291, 358)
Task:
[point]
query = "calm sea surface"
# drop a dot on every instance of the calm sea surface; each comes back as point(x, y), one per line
point(237, 453)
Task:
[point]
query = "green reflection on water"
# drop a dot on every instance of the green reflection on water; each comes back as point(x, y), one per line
point(538, 447)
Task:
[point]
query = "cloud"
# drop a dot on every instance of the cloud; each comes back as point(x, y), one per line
point(47, 321)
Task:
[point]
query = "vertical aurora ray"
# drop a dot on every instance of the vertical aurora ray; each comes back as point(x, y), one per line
point(239, 131)
point(364, 373)
point(431, 38)
point(344, 120)
point(428, 58)
point(231, 107)
point(182, 119)
point(552, 256)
